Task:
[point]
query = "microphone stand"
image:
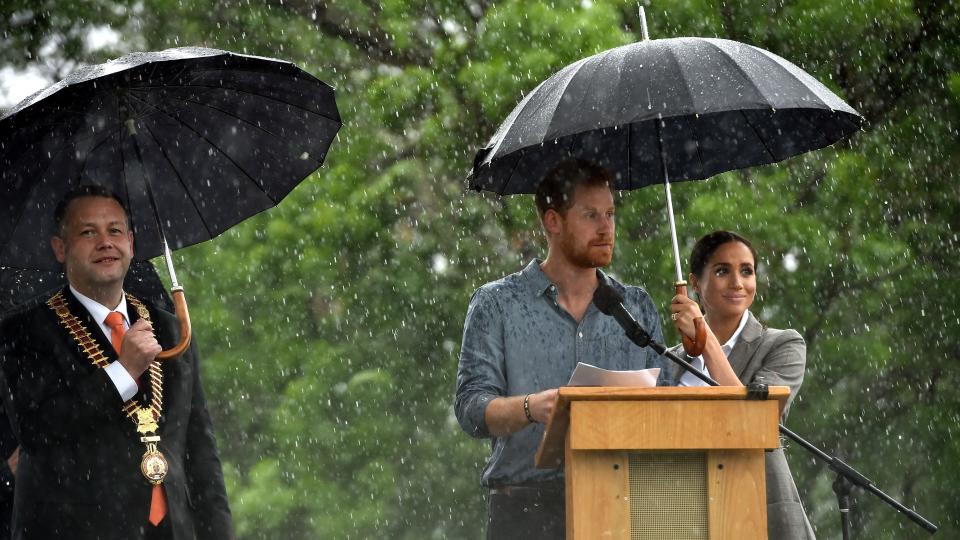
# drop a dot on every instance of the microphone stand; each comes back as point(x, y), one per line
point(847, 476)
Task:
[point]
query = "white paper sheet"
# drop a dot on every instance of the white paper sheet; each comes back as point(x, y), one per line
point(588, 375)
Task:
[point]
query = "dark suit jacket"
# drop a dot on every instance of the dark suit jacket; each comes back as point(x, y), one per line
point(79, 472)
point(779, 357)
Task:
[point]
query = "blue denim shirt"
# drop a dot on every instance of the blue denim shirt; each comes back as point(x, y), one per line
point(517, 340)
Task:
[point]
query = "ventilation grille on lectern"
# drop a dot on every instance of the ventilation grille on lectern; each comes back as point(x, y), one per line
point(668, 496)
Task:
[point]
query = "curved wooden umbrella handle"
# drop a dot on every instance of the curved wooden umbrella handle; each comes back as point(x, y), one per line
point(693, 347)
point(180, 306)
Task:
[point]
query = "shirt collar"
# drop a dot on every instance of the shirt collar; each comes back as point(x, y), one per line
point(732, 342)
point(535, 279)
point(99, 311)
point(539, 283)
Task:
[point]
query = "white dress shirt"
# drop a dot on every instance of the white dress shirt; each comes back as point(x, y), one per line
point(689, 379)
point(125, 383)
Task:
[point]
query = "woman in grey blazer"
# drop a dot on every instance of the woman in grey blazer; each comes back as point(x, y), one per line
point(723, 274)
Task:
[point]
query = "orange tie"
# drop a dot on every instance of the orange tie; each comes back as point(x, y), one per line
point(115, 321)
point(158, 505)
point(158, 499)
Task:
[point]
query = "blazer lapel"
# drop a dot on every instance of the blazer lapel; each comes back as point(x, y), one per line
point(746, 346)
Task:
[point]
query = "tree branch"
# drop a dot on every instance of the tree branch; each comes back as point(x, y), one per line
point(730, 21)
point(373, 41)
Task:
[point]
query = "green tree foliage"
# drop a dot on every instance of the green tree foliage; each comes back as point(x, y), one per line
point(51, 35)
point(331, 324)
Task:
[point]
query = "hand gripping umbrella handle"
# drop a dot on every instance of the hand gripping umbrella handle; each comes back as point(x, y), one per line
point(180, 306)
point(694, 347)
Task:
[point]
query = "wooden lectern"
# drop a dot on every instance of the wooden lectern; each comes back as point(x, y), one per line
point(663, 463)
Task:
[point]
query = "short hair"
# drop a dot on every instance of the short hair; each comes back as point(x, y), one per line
point(556, 190)
point(79, 192)
point(708, 244)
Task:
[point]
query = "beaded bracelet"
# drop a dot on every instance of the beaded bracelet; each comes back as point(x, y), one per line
point(526, 408)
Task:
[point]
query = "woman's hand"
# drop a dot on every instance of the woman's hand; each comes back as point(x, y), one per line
point(683, 311)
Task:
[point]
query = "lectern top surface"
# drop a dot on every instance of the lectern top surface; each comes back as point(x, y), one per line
point(573, 393)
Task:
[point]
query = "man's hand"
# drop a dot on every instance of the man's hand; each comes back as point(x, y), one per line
point(139, 348)
point(541, 405)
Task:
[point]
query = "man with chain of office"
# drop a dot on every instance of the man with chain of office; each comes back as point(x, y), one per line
point(114, 442)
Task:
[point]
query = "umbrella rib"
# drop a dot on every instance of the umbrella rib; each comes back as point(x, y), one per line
point(180, 180)
point(729, 61)
point(759, 136)
point(660, 119)
point(267, 150)
point(97, 146)
point(245, 121)
point(672, 55)
point(23, 207)
point(33, 188)
point(583, 97)
point(246, 92)
point(513, 169)
point(211, 143)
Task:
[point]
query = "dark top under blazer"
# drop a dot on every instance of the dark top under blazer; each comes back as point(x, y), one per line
point(79, 473)
point(779, 357)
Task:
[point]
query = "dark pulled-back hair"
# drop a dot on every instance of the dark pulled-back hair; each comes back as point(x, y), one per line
point(708, 244)
point(79, 192)
point(556, 190)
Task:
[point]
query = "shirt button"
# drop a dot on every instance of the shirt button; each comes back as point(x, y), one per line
point(580, 335)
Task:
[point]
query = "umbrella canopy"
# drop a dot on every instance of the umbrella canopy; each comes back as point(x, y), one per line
point(194, 140)
point(689, 108)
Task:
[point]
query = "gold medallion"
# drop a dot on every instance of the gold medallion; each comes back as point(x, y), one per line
point(146, 422)
point(153, 465)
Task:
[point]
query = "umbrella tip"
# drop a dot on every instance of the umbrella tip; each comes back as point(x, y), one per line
point(643, 23)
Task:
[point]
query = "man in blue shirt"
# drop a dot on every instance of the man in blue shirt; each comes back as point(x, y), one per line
point(525, 333)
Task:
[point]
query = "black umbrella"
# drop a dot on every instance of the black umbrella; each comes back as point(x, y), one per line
point(194, 140)
point(664, 110)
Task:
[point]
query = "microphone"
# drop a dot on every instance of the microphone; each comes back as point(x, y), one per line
point(610, 302)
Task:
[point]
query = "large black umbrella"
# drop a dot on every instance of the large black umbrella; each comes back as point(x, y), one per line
point(680, 108)
point(194, 140)
point(660, 111)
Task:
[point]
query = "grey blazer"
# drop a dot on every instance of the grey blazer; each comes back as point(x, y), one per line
point(779, 357)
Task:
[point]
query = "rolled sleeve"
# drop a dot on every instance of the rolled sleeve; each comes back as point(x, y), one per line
point(481, 371)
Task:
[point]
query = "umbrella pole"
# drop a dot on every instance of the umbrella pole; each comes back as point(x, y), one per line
point(643, 24)
point(179, 301)
point(673, 228)
point(180, 306)
point(694, 347)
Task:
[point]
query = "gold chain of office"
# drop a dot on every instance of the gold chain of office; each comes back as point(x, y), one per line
point(153, 465)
